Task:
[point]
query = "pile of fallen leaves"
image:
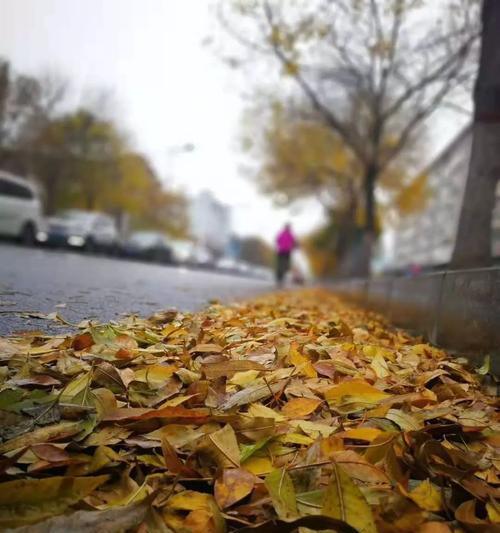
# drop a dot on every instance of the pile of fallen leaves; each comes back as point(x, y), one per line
point(290, 411)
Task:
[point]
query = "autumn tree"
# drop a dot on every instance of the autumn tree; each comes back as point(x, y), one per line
point(301, 157)
point(140, 194)
point(474, 236)
point(82, 158)
point(77, 156)
point(368, 69)
point(85, 161)
point(27, 104)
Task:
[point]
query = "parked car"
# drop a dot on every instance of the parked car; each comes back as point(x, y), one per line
point(150, 246)
point(202, 257)
point(20, 209)
point(86, 230)
point(183, 252)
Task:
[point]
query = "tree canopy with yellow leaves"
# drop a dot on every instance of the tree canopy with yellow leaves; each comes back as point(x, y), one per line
point(372, 71)
point(301, 157)
point(81, 157)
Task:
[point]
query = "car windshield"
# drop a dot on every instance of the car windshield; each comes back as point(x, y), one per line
point(145, 238)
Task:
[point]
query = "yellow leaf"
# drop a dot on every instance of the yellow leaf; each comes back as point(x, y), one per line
point(493, 510)
point(257, 410)
point(200, 521)
point(205, 516)
point(301, 362)
point(295, 438)
point(356, 392)
point(377, 412)
point(313, 429)
point(103, 455)
point(368, 434)
point(380, 367)
point(178, 400)
point(75, 387)
point(190, 500)
point(282, 492)
point(427, 496)
point(299, 407)
point(258, 465)
point(344, 501)
point(155, 375)
point(244, 378)
point(371, 351)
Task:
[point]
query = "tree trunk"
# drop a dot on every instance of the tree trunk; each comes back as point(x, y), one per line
point(473, 242)
point(356, 259)
point(363, 266)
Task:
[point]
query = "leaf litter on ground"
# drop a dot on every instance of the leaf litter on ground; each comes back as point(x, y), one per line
point(292, 411)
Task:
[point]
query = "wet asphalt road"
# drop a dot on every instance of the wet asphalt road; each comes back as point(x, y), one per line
point(80, 287)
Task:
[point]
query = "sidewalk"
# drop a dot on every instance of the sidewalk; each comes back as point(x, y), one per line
point(292, 409)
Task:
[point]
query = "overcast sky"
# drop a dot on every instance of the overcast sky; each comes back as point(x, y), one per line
point(170, 89)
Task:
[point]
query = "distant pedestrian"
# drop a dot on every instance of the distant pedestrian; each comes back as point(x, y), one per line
point(414, 270)
point(285, 243)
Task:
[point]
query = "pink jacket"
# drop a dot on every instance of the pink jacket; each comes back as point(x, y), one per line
point(285, 242)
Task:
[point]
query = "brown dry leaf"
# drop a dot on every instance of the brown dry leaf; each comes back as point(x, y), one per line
point(232, 486)
point(251, 394)
point(360, 469)
point(174, 464)
point(28, 501)
point(51, 433)
point(50, 453)
point(178, 414)
point(466, 515)
point(109, 521)
point(277, 389)
point(222, 447)
point(206, 348)
point(37, 380)
point(83, 341)
point(229, 368)
point(434, 527)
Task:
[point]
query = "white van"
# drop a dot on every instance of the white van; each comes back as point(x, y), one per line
point(20, 209)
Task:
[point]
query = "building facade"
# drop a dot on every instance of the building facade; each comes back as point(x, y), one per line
point(427, 238)
point(210, 222)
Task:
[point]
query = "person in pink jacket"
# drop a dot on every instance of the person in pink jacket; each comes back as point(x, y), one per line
point(285, 244)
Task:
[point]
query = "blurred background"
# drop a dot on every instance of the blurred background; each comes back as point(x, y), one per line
point(190, 132)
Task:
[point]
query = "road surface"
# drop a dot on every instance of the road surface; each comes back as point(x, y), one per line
point(80, 287)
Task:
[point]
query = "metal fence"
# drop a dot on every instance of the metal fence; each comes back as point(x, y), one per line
point(458, 310)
